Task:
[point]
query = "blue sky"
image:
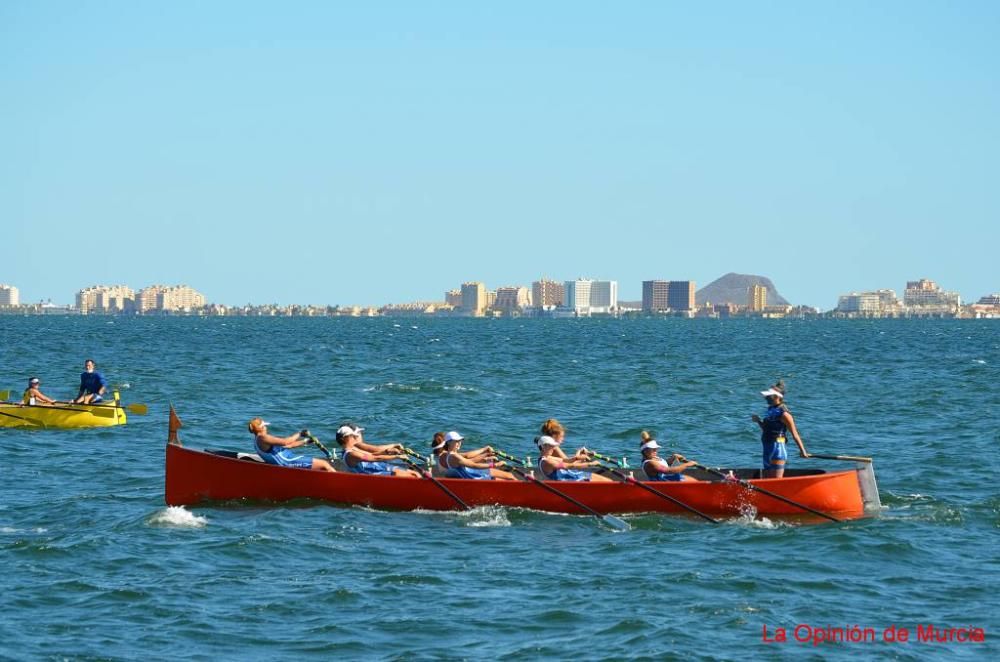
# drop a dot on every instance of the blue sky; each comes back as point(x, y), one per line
point(325, 152)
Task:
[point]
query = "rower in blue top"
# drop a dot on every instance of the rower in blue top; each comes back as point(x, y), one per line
point(656, 468)
point(776, 423)
point(458, 465)
point(92, 385)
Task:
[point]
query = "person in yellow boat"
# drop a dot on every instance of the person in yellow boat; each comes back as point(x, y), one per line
point(554, 467)
point(656, 468)
point(34, 396)
point(276, 450)
point(92, 385)
point(361, 461)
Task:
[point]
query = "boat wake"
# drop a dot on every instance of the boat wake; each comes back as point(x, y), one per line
point(177, 517)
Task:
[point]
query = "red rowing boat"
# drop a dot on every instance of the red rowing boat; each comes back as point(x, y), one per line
point(197, 476)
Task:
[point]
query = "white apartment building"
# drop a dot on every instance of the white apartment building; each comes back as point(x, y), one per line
point(587, 297)
point(512, 299)
point(9, 296)
point(105, 299)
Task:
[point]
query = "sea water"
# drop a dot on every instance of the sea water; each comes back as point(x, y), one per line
point(96, 566)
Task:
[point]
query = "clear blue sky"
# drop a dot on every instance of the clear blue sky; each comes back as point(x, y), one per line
point(376, 152)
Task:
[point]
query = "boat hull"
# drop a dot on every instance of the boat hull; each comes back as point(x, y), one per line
point(60, 416)
point(194, 476)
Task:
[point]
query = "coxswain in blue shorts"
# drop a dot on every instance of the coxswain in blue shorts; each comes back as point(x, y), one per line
point(276, 450)
point(361, 461)
point(457, 465)
point(656, 468)
point(554, 467)
point(92, 385)
point(777, 422)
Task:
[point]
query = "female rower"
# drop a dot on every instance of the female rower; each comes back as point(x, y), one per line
point(437, 447)
point(361, 461)
point(34, 396)
point(460, 465)
point(554, 467)
point(275, 450)
point(553, 428)
point(390, 449)
point(656, 468)
point(776, 422)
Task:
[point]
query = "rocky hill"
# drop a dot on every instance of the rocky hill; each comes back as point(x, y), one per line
point(732, 288)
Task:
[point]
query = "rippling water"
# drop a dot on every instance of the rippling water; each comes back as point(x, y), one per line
point(96, 566)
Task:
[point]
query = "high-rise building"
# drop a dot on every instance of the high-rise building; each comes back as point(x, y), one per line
point(474, 299)
point(757, 297)
point(587, 297)
point(512, 299)
point(925, 294)
point(105, 299)
point(880, 303)
point(680, 295)
point(453, 298)
point(9, 296)
point(547, 294)
point(655, 295)
point(578, 295)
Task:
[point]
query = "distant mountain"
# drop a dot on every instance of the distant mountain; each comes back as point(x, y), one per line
point(732, 288)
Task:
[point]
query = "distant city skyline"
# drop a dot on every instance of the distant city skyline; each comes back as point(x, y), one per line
point(387, 151)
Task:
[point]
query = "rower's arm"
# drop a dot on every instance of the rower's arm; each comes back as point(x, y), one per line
point(790, 422)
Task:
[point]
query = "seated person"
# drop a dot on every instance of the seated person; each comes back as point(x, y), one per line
point(33, 396)
point(459, 465)
point(275, 450)
point(361, 461)
point(656, 468)
point(553, 428)
point(391, 449)
point(554, 467)
point(92, 385)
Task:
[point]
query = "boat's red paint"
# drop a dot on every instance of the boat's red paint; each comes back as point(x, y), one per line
point(194, 476)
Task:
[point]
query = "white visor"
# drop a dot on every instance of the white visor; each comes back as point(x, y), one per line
point(437, 446)
point(769, 392)
point(348, 431)
point(649, 444)
point(546, 440)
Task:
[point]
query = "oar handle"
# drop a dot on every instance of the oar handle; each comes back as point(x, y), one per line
point(318, 443)
point(845, 458)
point(605, 458)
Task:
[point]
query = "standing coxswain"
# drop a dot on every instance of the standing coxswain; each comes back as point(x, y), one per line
point(777, 422)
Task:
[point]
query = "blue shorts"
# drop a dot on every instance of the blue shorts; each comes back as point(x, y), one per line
point(667, 477)
point(373, 468)
point(285, 458)
point(469, 472)
point(569, 474)
point(775, 455)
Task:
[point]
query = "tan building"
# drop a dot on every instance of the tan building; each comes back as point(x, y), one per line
point(512, 299)
point(165, 298)
point(474, 300)
point(105, 299)
point(680, 295)
point(924, 297)
point(547, 294)
point(9, 296)
point(654, 295)
point(453, 298)
point(756, 298)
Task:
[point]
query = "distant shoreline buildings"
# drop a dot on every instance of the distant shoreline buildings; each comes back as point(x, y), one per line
point(582, 297)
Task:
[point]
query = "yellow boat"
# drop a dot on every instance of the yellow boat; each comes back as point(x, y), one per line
point(66, 415)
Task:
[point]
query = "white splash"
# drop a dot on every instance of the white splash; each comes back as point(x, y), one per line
point(178, 516)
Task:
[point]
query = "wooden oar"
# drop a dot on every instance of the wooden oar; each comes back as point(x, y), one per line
point(616, 523)
point(751, 486)
point(4, 395)
point(845, 458)
point(630, 479)
point(426, 473)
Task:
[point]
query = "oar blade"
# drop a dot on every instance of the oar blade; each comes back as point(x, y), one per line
point(616, 523)
point(4, 395)
point(137, 408)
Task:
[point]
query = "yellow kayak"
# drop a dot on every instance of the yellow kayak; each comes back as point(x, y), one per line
point(63, 415)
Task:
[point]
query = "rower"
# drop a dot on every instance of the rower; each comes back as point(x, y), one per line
point(275, 450)
point(656, 468)
point(554, 467)
point(360, 461)
point(33, 396)
point(459, 465)
point(92, 385)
